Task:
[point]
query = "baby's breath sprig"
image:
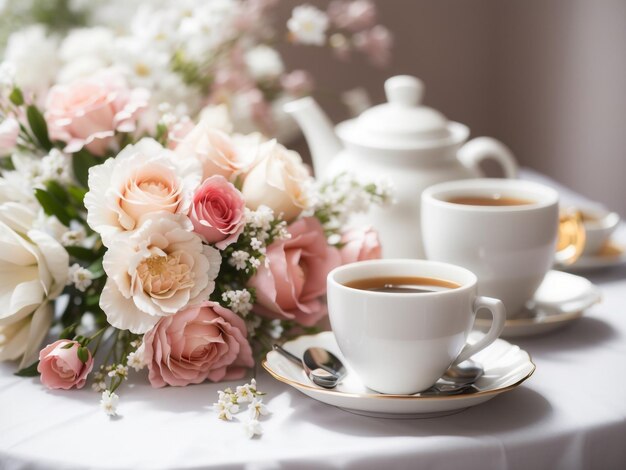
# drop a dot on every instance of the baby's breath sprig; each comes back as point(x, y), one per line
point(243, 258)
point(230, 403)
point(126, 350)
point(335, 200)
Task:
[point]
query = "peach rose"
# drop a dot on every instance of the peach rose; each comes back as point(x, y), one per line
point(293, 283)
point(203, 342)
point(278, 181)
point(156, 271)
point(360, 244)
point(88, 112)
point(212, 148)
point(142, 179)
point(60, 367)
point(217, 212)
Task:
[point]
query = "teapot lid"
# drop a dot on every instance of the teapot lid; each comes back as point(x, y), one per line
point(401, 122)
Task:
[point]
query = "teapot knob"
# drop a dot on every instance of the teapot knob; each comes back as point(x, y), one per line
point(404, 90)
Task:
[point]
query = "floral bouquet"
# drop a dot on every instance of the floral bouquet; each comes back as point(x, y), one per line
point(184, 248)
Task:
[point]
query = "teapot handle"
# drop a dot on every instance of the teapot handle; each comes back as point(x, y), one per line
point(482, 148)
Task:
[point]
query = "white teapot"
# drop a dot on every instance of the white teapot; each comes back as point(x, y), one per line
point(414, 146)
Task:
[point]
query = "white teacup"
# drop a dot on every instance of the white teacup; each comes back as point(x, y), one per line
point(509, 247)
point(401, 343)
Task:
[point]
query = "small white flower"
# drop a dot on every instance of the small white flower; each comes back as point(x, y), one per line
point(255, 243)
point(257, 408)
point(275, 329)
point(109, 402)
point(136, 359)
point(80, 277)
point(225, 409)
point(239, 301)
point(255, 262)
point(56, 166)
point(252, 428)
point(238, 259)
point(244, 394)
point(308, 25)
point(119, 371)
point(99, 386)
point(75, 236)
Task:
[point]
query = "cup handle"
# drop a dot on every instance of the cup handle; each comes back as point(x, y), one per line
point(571, 239)
point(484, 148)
point(498, 312)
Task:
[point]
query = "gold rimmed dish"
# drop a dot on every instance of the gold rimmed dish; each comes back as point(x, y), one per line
point(561, 299)
point(612, 254)
point(506, 367)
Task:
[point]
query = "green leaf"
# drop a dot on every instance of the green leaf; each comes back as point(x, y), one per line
point(77, 195)
point(68, 332)
point(38, 125)
point(81, 162)
point(96, 268)
point(52, 206)
point(84, 254)
point(69, 345)
point(57, 191)
point(83, 354)
point(30, 371)
point(16, 97)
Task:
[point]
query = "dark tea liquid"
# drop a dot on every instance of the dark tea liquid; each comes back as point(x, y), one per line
point(402, 284)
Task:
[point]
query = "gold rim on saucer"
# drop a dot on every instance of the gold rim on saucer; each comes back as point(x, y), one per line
point(295, 383)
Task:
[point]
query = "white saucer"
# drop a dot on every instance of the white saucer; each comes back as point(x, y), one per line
point(611, 255)
point(506, 366)
point(560, 299)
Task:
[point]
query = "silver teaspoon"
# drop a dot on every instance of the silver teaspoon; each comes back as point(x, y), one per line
point(322, 367)
point(456, 379)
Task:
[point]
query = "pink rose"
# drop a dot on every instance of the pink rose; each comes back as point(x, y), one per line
point(359, 245)
point(202, 342)
point(217, 211)
point(88, 111)
point(61, 368)
point(293, 284)
point(9, 131)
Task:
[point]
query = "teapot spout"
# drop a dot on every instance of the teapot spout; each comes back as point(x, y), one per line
point(318, 132)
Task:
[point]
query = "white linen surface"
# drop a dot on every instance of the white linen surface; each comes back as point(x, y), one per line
point(571, 414)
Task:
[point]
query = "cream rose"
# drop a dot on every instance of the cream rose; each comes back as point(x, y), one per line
point(212, 148)
point(142, 179)
point(278, 181)
point(33, 270)
point(155, 271)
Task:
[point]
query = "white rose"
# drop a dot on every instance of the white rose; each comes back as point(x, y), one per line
point(279, 181)
point(33, 270)
point(143, 178)
point(155, 271)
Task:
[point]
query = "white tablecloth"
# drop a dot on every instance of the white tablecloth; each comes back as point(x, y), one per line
point(571, 414)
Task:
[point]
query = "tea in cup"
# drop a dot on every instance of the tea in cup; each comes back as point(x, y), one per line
point(401, 323)
point(503, 230)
